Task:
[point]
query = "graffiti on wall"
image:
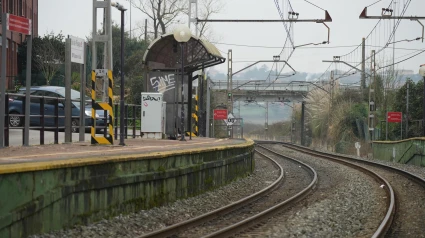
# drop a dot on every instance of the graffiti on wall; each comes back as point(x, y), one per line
point(163, 83)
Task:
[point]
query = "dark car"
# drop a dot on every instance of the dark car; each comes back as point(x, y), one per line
point(15, 107)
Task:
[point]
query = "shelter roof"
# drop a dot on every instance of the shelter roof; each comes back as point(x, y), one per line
point(164, 53)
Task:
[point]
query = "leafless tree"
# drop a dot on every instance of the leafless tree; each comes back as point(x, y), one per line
point(160, 12)
point(207, 8)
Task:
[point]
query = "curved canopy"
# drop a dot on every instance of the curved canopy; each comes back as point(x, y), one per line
point(164, 53)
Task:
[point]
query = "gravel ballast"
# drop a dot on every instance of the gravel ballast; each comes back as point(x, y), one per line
point(346, 203)
point(337, 216)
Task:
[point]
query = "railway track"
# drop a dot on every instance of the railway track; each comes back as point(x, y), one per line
point(248, 216)
point(239, 215)
point(409, 190)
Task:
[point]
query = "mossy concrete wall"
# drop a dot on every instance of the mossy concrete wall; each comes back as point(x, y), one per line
point(409, 151)
point(41, 197)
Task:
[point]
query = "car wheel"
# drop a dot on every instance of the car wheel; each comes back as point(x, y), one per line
point(75, 124)
point(15, 121)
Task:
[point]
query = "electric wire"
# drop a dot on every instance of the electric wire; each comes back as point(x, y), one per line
point(374, 3)
point(306, 47)
point(315, 5)
point(402, 60)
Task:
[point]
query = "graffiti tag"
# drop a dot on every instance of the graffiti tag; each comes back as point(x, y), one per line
point(149, 98)
point(163, 83)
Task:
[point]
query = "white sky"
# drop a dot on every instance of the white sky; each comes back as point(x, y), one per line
point(74, 17)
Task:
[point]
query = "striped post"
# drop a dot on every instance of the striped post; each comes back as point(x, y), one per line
point(195, 115)
point(108, 139)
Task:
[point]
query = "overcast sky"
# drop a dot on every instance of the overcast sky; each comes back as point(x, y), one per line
point(74, 17)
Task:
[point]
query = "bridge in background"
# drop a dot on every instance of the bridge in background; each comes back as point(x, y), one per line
point(261, 90)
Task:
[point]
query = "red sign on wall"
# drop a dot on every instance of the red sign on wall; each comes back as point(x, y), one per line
point(394, 116)
point(18, 24)
point(220, 114)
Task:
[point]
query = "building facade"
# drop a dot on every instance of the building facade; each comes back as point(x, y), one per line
point(24, 8)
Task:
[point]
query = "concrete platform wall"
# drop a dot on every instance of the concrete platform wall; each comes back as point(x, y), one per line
point(410, 151)
point(41, 197)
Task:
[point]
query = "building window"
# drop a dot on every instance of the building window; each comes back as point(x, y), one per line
point(20, 10)
point(1, 8)
point(10, 6)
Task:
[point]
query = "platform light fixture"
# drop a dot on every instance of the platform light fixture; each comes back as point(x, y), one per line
point(182, 35)
point(122, 9)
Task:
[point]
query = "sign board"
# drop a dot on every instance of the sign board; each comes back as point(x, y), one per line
point(77, 49)
point(101, 72)
point(220, 114)
point(18, 24)
point(357, 145)
point(393, 116)
point(230, 119)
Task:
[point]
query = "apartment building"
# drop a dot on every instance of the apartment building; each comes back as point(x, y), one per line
point(24, 8)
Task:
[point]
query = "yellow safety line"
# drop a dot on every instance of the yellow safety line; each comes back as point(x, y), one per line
point(56, 164)
point(117, 149)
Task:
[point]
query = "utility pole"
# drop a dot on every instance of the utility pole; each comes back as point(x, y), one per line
point(229, 81)
point(302, 122)
point(394, 30)
point(332, 88)
point(422, 73)
point(107, 48)
point(266, 124)
point(407, 111)
point(363, 83)
point(130, 16)
point(229, 87)
point(68, 103)
point(146, 30)
point(106, 39)
point(207, 119)
point(372, 108)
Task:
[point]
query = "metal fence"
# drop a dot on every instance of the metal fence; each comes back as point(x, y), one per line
point(132, 119)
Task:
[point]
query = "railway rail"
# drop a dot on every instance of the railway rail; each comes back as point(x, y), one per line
point(409, 213)
point(243, 226)
point(242, 207)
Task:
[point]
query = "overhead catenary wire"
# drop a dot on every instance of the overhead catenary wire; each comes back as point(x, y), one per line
point(374, 36)
point(305, 47)
point(386, 66)
point(315, 5)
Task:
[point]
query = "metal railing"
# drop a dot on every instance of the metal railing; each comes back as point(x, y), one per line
point(132, 119)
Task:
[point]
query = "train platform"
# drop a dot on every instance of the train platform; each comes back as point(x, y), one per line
point(84, 150)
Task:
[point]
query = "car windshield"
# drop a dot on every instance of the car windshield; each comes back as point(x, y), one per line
point(75, 95)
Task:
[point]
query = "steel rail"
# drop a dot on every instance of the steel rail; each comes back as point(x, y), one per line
point(386, 222)
point(242, 225)
point(182, 226)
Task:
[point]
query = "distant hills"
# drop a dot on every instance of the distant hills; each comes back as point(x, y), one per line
point(263, 73)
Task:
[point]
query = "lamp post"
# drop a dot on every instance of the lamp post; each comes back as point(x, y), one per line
point(182, 35)
point(422, 73)
point(122, 9)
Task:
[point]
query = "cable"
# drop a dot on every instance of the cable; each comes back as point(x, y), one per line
point(307, 47)
point(282, 17)
point(374, 3)
point(402, 60)
point(316, 5)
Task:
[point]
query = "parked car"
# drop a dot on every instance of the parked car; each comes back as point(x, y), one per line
point(15, 107)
